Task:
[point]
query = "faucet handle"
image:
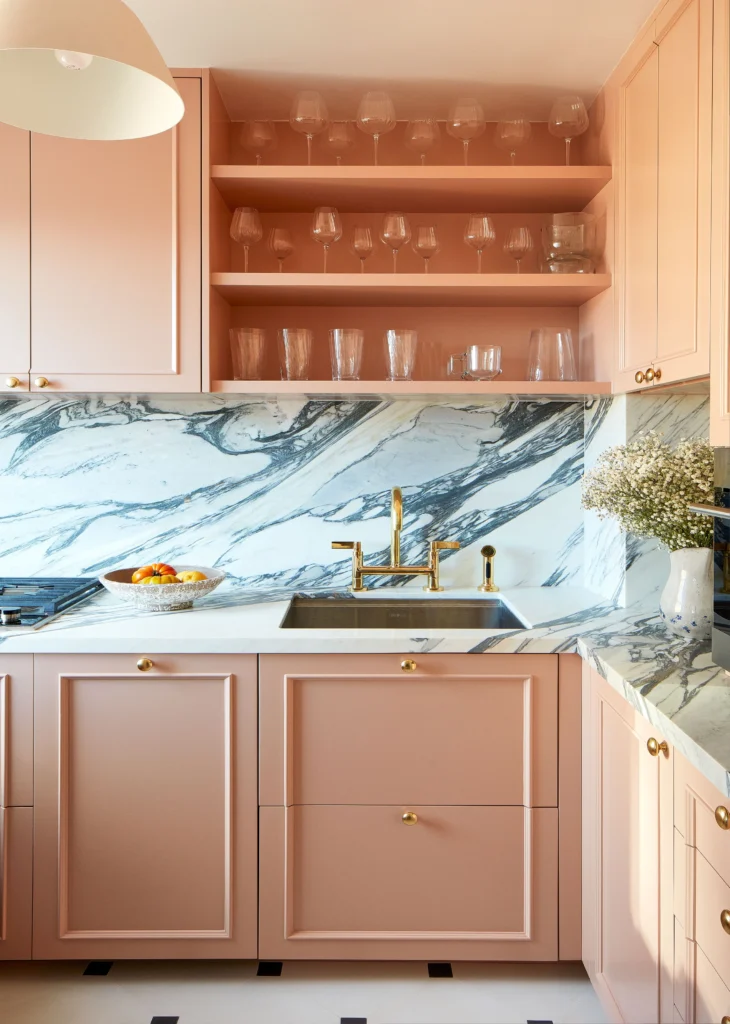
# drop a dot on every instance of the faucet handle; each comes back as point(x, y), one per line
point(442, 545)
point(343, 545)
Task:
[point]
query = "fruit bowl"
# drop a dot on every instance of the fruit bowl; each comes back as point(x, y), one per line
point(168, 597)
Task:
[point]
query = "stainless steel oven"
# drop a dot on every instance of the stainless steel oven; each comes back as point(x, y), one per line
point(721, 514)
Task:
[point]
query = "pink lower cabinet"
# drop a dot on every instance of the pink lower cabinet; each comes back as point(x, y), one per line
point(145, 807)
point(409, 807)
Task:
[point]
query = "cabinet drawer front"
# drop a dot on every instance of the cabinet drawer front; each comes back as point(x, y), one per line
point(459, 730)
point(696, 802)
point(349, 879)
point(713, 897)
point(712, 998)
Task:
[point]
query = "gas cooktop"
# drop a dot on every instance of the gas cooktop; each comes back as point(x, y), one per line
point(28, 603)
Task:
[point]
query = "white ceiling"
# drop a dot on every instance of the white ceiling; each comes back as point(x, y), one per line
point(424, 52)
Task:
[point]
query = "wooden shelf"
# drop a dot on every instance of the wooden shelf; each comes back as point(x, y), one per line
point(409, 389)
point(412, 189)
point(409, 289)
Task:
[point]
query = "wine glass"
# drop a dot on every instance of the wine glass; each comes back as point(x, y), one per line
point(426, 243)
point(340, 138)
point(395, 232)
point(568, 118)
point(246, 230)
point(513, 130)
point(361, 245)
point(258, 137)
point(479, 234)
point(423, 135)
point(466, 122)
point(518, 243)
point(326, 228)
point(309, 116)
point(376, 116)
point(281, 245)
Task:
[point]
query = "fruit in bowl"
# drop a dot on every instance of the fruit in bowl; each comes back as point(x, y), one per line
point(191, 576)
point(160, 587)
point(161, 572)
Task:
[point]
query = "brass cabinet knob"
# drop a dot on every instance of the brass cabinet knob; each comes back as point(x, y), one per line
point(722, 817)
point(725, 1020)
point(654, 746)
point(408, 665)
point(145, 664)
point(639, 377)
point(41, 382)
point(410, 818)
point(653, 374)
point(725, 920)
point(12, 382)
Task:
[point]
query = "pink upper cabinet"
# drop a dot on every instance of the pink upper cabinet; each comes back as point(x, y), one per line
point(116, 260)
point(14, 259)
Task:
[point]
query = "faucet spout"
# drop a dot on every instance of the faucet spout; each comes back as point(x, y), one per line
point(396, 525)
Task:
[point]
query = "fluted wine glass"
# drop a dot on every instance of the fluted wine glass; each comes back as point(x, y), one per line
point(340, 138)
point(246, 229)
point(376, 116)
point(395, 233)
point(258, 137)
point(426, 243)
point(423, 135)
point(281, 245)
point(479, 234)
point(466, 122)
point(361, 244)
point(568, 119)
point(518, 243)
point(512, 131)
point(326, 229)
point(309, 116)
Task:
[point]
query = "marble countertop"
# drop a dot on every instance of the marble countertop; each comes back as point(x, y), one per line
point(672, 682)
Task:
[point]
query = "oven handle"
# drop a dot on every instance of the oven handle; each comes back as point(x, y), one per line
point(718, 511)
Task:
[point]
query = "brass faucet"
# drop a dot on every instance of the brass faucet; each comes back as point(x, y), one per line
point(395, 568)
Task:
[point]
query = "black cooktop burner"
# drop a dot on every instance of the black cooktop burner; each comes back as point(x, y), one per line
point(38, 598)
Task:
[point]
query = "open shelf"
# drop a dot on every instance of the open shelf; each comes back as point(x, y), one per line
point(412, 189)
point(411, 388)
point(409, 289)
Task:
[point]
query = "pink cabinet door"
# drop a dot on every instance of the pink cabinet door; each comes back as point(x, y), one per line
point(116, 271)
point(16, 730)
point(16, 897)
point(349, 883)
point(712, 999)
point(145, 807)
point(14, 260)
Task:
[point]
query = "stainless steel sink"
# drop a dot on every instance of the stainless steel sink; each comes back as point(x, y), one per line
point(395, 613)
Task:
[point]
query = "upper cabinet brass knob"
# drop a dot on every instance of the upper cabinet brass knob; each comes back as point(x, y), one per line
point(654, 746)
point(725, 920)
point(41, 382)
point(145, 664)
point(725, 1020)
point(410, 818)
point(653, 374)
point(722, 817)
point(12, 382)
point(639, 377)
point(408, 665)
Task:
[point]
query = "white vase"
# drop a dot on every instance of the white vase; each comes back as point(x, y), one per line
point(686, 601)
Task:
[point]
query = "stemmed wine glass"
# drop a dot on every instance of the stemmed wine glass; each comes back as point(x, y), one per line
point(426, 243)
point(309, 116)
point(258, 137)
point(361, 245)
point(568, 118)
point(340, 138)
point(513, 130)
point(326, 228)
point(422, 135)
point(466, 122)
point(246, 230)
point(479, 234)
point(518, 243)
point(376, 116)
point(395, 232)
point(281, 245)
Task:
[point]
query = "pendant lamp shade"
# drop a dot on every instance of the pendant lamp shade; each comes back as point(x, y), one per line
point(83, 69)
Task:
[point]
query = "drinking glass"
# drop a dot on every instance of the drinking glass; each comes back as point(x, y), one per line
point(247, 350)
point(423, 135)
point(513, 130)
point(258, 137)
point(246, 230)
point(466, 122)
point(346, 353)
point(295, 349)
point(395, 233)
point(361, 245)
point(518, 243)
point(309, 116)
point(569, 243)
point(400, 354)
point(479, 234)
point(326, 228)
point(340, 138)
point(376, 116)
point(281, 245)
point(425, 243)
point(568, 118)
point(479, 362)
point(551, 355)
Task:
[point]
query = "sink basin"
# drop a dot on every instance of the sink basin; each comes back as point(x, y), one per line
point(399, 613)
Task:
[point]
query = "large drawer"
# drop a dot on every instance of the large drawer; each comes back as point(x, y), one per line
point(698, 808)
point(712, 998)
point(713, 899)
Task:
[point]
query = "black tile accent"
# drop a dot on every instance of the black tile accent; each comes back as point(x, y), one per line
point(269, 969)
point(353, 1020)
point(164, 1020)
point(98, 968)
point(539, 1022)
point(440, 971)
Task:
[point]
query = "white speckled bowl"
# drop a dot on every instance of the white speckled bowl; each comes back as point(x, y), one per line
point(163, 597)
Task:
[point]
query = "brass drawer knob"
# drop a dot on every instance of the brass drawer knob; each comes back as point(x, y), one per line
point(725, 920)
point(654, 747)
point(639, 377)
point(12, 382)
point(41, 382)
point(725, 1020)
point(410, 818)
point(408, 665)
point(722, 817)
point(145, 664)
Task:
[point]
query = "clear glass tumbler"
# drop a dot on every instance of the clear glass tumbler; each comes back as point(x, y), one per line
point(247, 350)
point(295, 350)
point(479, 362)
point(551, 355)
point(346, 353)
point(400, 354)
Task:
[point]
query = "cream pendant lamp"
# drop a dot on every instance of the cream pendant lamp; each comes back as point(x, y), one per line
point(83, 69)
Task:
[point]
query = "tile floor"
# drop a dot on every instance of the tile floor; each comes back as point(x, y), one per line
point(229, 992)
